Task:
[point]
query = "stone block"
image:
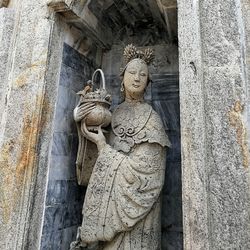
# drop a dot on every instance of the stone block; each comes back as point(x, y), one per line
point(73, 215)
point(173, 179)
point(68, 235)
point(63, 119)
point(74, 148)
point(61, 144)
point(75, 192)
point(77, 61)
point(62, 168)
point(60, 240)
point(72, 79)
point(66, 99)
point(64, 192)
point(174, 153)
point(6, 31)
point(172, 241)
point(169, 111)
point(61, 216)
point(56, 192)
point(54, 218)
point(215, 170)
point(171, 212)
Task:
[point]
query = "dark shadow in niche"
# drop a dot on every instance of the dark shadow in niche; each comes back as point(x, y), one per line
point(64, 198)
point(165, 100)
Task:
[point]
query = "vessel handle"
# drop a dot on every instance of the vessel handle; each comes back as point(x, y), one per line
point(102, 76)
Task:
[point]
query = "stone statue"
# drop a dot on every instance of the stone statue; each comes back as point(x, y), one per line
point(122, 203)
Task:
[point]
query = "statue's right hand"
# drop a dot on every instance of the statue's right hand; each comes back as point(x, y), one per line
point(81, 111)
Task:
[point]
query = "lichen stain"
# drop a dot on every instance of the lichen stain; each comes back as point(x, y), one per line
point(236, 120)
point(28, 136)
point(32, 126)
point(22, 79)
point(14, 176)
point(6, 180)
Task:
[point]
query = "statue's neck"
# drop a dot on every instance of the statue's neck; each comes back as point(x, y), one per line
point(132, 100)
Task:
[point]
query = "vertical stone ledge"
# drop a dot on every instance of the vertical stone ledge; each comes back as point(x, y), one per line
point(213, 90)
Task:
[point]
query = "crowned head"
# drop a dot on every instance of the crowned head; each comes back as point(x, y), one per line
point(135, 73)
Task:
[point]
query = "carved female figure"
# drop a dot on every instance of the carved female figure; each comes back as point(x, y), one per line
point(122, 204)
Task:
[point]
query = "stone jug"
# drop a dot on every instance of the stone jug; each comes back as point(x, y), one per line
point(100, 115)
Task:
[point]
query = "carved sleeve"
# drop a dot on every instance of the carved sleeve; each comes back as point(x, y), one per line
point(138, 184)
point(122, 190)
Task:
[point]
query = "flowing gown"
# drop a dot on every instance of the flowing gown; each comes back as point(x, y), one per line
point(122, 203)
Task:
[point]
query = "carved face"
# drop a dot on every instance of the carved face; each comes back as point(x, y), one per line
point(135, 79)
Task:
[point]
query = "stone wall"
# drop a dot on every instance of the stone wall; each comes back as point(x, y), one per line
point(246, 29)
point(25, 124)
point(6, 32)
point(213, 49)
point(64, 199)
point(213, 89)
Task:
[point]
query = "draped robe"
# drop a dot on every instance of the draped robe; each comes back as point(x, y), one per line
point(122, 203)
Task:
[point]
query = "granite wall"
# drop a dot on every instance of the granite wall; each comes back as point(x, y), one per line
point(6, 32)
point(215, 152)
point(246, 20)
point(213, 63)
point(64, 197)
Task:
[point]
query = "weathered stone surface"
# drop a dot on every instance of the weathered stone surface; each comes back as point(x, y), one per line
point(6, 31)
point(64, 198)
point(246, 20)
point(78, 14)
point(4, 3)
point(213, 85)
point(26, 125)
point(215, 169)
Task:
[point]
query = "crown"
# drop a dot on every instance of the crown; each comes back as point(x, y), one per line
point(131, 52)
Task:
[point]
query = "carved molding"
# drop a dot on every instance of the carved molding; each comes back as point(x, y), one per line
point(77, 14)
point(4, 3)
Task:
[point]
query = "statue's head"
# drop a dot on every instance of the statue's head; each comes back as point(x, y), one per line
point(135, 73)
point(135, 79)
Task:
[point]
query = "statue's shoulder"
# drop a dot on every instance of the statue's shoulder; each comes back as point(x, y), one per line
point(135, 124)
point(154, 131)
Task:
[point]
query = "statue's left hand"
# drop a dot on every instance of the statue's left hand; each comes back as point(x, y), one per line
point(98, 138)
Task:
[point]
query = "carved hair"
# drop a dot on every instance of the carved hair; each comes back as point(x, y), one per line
point(131, 52)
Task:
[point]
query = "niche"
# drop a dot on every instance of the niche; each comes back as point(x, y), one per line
point(144, 24)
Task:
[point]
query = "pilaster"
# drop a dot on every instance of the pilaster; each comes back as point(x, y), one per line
point(215, 156)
